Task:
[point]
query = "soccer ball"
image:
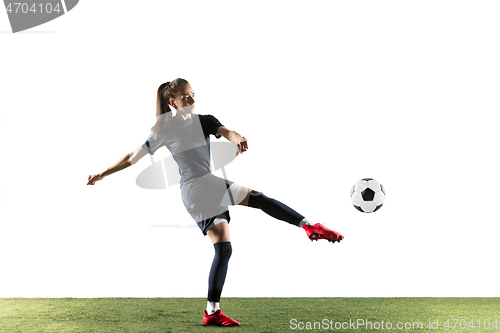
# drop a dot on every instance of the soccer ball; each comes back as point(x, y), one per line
point(367, 195)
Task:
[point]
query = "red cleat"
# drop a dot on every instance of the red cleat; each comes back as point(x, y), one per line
point(219, 319)
point(319, 231)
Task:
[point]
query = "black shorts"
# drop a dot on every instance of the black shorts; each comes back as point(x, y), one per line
point(207, 199)
point(209, 223)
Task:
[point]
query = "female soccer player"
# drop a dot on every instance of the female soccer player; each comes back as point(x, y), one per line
point(206, 196)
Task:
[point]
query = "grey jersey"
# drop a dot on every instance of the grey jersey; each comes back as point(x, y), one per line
point(189, 143)
point(205, 196)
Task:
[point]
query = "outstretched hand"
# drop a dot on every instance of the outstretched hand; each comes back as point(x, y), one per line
point(93, 178)
point(242, 146)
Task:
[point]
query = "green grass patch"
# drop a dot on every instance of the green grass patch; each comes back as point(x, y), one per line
point(255, 314)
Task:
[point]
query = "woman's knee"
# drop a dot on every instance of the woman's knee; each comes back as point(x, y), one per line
point(219, 233)
point(244, 196)
point(235, 195)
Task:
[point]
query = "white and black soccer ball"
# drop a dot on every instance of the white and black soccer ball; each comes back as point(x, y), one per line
point(367, 195)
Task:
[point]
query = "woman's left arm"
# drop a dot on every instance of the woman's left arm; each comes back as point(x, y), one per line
point(234, 137)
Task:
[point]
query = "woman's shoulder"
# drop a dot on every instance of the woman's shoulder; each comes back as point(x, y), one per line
point(205, 116)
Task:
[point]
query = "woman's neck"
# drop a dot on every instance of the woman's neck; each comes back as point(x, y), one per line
point(182, 115)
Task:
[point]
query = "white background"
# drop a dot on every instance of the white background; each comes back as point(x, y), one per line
point(326, 92)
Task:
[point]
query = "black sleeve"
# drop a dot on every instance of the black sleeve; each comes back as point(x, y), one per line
point(210, 124)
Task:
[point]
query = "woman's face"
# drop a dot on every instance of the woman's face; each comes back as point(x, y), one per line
point(184, 99)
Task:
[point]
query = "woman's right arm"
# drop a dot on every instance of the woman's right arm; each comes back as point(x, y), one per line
point(121, 164)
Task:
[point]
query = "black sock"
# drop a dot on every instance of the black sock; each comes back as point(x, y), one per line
point(274, 208)
point(218, 270)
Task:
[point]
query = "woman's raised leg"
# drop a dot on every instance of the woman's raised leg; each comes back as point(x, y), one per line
point(282, 212)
